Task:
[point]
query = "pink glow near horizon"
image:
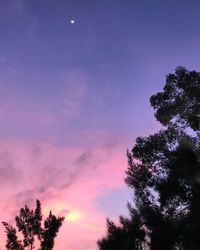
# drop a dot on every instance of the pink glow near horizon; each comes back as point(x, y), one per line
point(67, 180)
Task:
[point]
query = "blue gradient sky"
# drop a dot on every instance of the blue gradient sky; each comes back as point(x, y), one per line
point(79, 93)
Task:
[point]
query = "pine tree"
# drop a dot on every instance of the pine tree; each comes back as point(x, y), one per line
point(29, 223)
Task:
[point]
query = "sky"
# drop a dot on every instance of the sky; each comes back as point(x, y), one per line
point(75, 95)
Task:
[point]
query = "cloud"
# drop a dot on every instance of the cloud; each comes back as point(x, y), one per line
point(67, 180)
point(53, 173)
point(68, 100)
point(83, 159)
point(64, 212)
point(58, 107)
point(9, 174)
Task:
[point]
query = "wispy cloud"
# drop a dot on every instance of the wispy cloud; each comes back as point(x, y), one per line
point(9, 173)
point(67, 180)
point(70, 95)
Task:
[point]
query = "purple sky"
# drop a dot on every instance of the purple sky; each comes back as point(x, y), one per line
point(73, 97)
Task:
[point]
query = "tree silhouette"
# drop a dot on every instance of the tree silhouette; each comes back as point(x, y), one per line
point(29, 223)
point(51, 228)
point(179, 102)
point(12, 240)
point(164, 169)
point(128, 236)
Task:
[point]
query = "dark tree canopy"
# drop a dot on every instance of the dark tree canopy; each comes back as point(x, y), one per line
point(29, 223)
point(180, 101)
point(164, 170)
point(129, 235)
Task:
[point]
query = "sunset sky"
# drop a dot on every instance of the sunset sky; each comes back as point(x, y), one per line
point(74, 95)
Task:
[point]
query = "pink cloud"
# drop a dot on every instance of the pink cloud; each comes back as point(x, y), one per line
point(67, 180)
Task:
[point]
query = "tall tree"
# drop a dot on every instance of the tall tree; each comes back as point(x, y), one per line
point(29, 223)
point(164, 168)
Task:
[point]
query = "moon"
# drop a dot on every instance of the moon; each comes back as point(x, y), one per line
point(72, 21)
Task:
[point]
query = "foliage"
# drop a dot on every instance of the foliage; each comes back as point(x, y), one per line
point(12, 241)
point(180, 100)
point(164, 169)
point(29, 223)
point(128, 235)
point(51, 228)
